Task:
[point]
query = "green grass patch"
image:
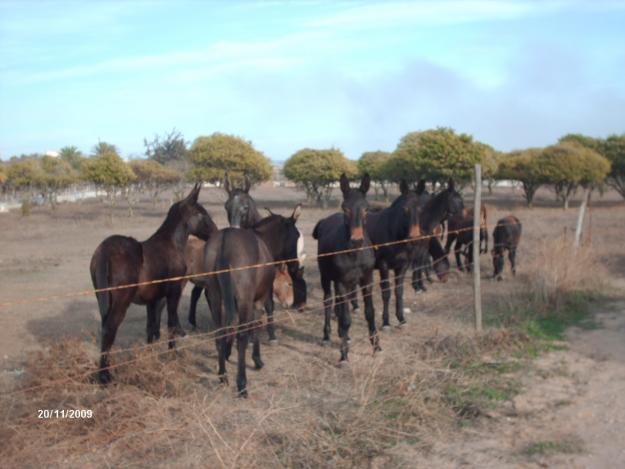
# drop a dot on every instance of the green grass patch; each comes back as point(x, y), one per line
point(469, 401)
point(546, 448)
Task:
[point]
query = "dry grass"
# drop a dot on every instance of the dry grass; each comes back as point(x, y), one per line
point(303, 410)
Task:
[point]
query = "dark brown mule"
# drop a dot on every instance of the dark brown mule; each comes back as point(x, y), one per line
point(121, 260)
point(399, 222)
point(349, 270)
point(243, 213)
point(194, 255)
point(237, 297)
point(458, 229)
point(506, 236)
point(435, 209)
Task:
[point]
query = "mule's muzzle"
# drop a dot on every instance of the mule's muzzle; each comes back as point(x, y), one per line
point(357, 235)
point(415, 232)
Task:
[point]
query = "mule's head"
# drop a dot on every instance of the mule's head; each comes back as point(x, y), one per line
point(355, 208)
point(287, 236)
point(411, 209)
point(283, 286)
point(442, 268)
point(452, 199)
point(194, 216)
point(240, 206)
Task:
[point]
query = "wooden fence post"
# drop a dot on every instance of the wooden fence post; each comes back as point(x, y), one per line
point(477, 292)
point(580, 218)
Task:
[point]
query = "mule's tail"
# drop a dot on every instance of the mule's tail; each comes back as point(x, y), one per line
point(101, 280)
point(226, 285)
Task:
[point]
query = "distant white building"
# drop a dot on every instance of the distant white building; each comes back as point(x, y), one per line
point(52, 153)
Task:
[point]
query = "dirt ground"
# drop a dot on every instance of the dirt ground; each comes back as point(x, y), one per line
point(570, 412)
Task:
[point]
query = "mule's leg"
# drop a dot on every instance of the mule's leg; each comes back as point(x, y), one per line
point(256, 344)
point(354, 301)
point(242, 339)
point(399, 294)
point(269, 307)
point(151, 328)
point(512, 258)
point(469, 257)
point(367, 298)
point(213, 298)
point(386, 295)
point(451, 237)
point(110, 323)
point(327, 307)
point(458, 252)
point(195, 296)
point(344, 317)
point(173, 323)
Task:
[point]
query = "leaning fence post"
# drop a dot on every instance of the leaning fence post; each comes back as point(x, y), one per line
point(580, 218)
point(477, 293)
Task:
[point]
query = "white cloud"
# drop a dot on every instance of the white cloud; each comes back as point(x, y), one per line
point(431, 13)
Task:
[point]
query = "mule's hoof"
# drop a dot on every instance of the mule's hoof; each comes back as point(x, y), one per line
point(325, 343)
point(349, 340)
point(356, 310)
point(418, 291)
point(104, 377)
point(407, 311)
point(223, 379)
point(386, 327)
point(258, 363)
point(343, 364)
point(377, 349)
point(243, 393)
point(402, 324)
point(273, 342)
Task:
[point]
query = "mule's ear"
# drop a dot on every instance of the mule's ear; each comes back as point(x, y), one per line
point(403, 187)
point(247, 184)
point(297, 211)
point(451, 185)
point(420, 187)
point(365, 183)
point(344, 184)
point(269, 210)
point(195, 193)
point(227, 185)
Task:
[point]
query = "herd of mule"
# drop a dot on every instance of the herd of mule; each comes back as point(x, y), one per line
point(242, 267)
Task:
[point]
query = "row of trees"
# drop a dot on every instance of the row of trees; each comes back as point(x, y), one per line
point(437, 154)
point(434, 155)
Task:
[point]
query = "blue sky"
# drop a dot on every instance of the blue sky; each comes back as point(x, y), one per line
point(288, 75)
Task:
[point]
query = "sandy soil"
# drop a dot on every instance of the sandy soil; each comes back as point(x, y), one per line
point(572, 397)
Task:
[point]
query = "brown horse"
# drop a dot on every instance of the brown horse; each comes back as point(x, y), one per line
point(121, 260)
point(194, 255)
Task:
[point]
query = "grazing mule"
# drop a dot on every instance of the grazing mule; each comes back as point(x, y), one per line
point(456, 228)
point(237, 297)
point(121, 260)
point(398, 222)
point(435, 210)
point(347, 270)
point(506, 235)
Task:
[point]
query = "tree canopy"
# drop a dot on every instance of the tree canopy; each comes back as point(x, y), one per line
point(317, 169)
point(613, 148)
point(212, 156)
point(108, 171)
point(72, 155)
point(375, 163)
point(524, 166)
point(170, 150)
point(153, 177)
point(435, 155)
point(569, 164)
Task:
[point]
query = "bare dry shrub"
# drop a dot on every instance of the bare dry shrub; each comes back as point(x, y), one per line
point(170, 410)
point(558, 269)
